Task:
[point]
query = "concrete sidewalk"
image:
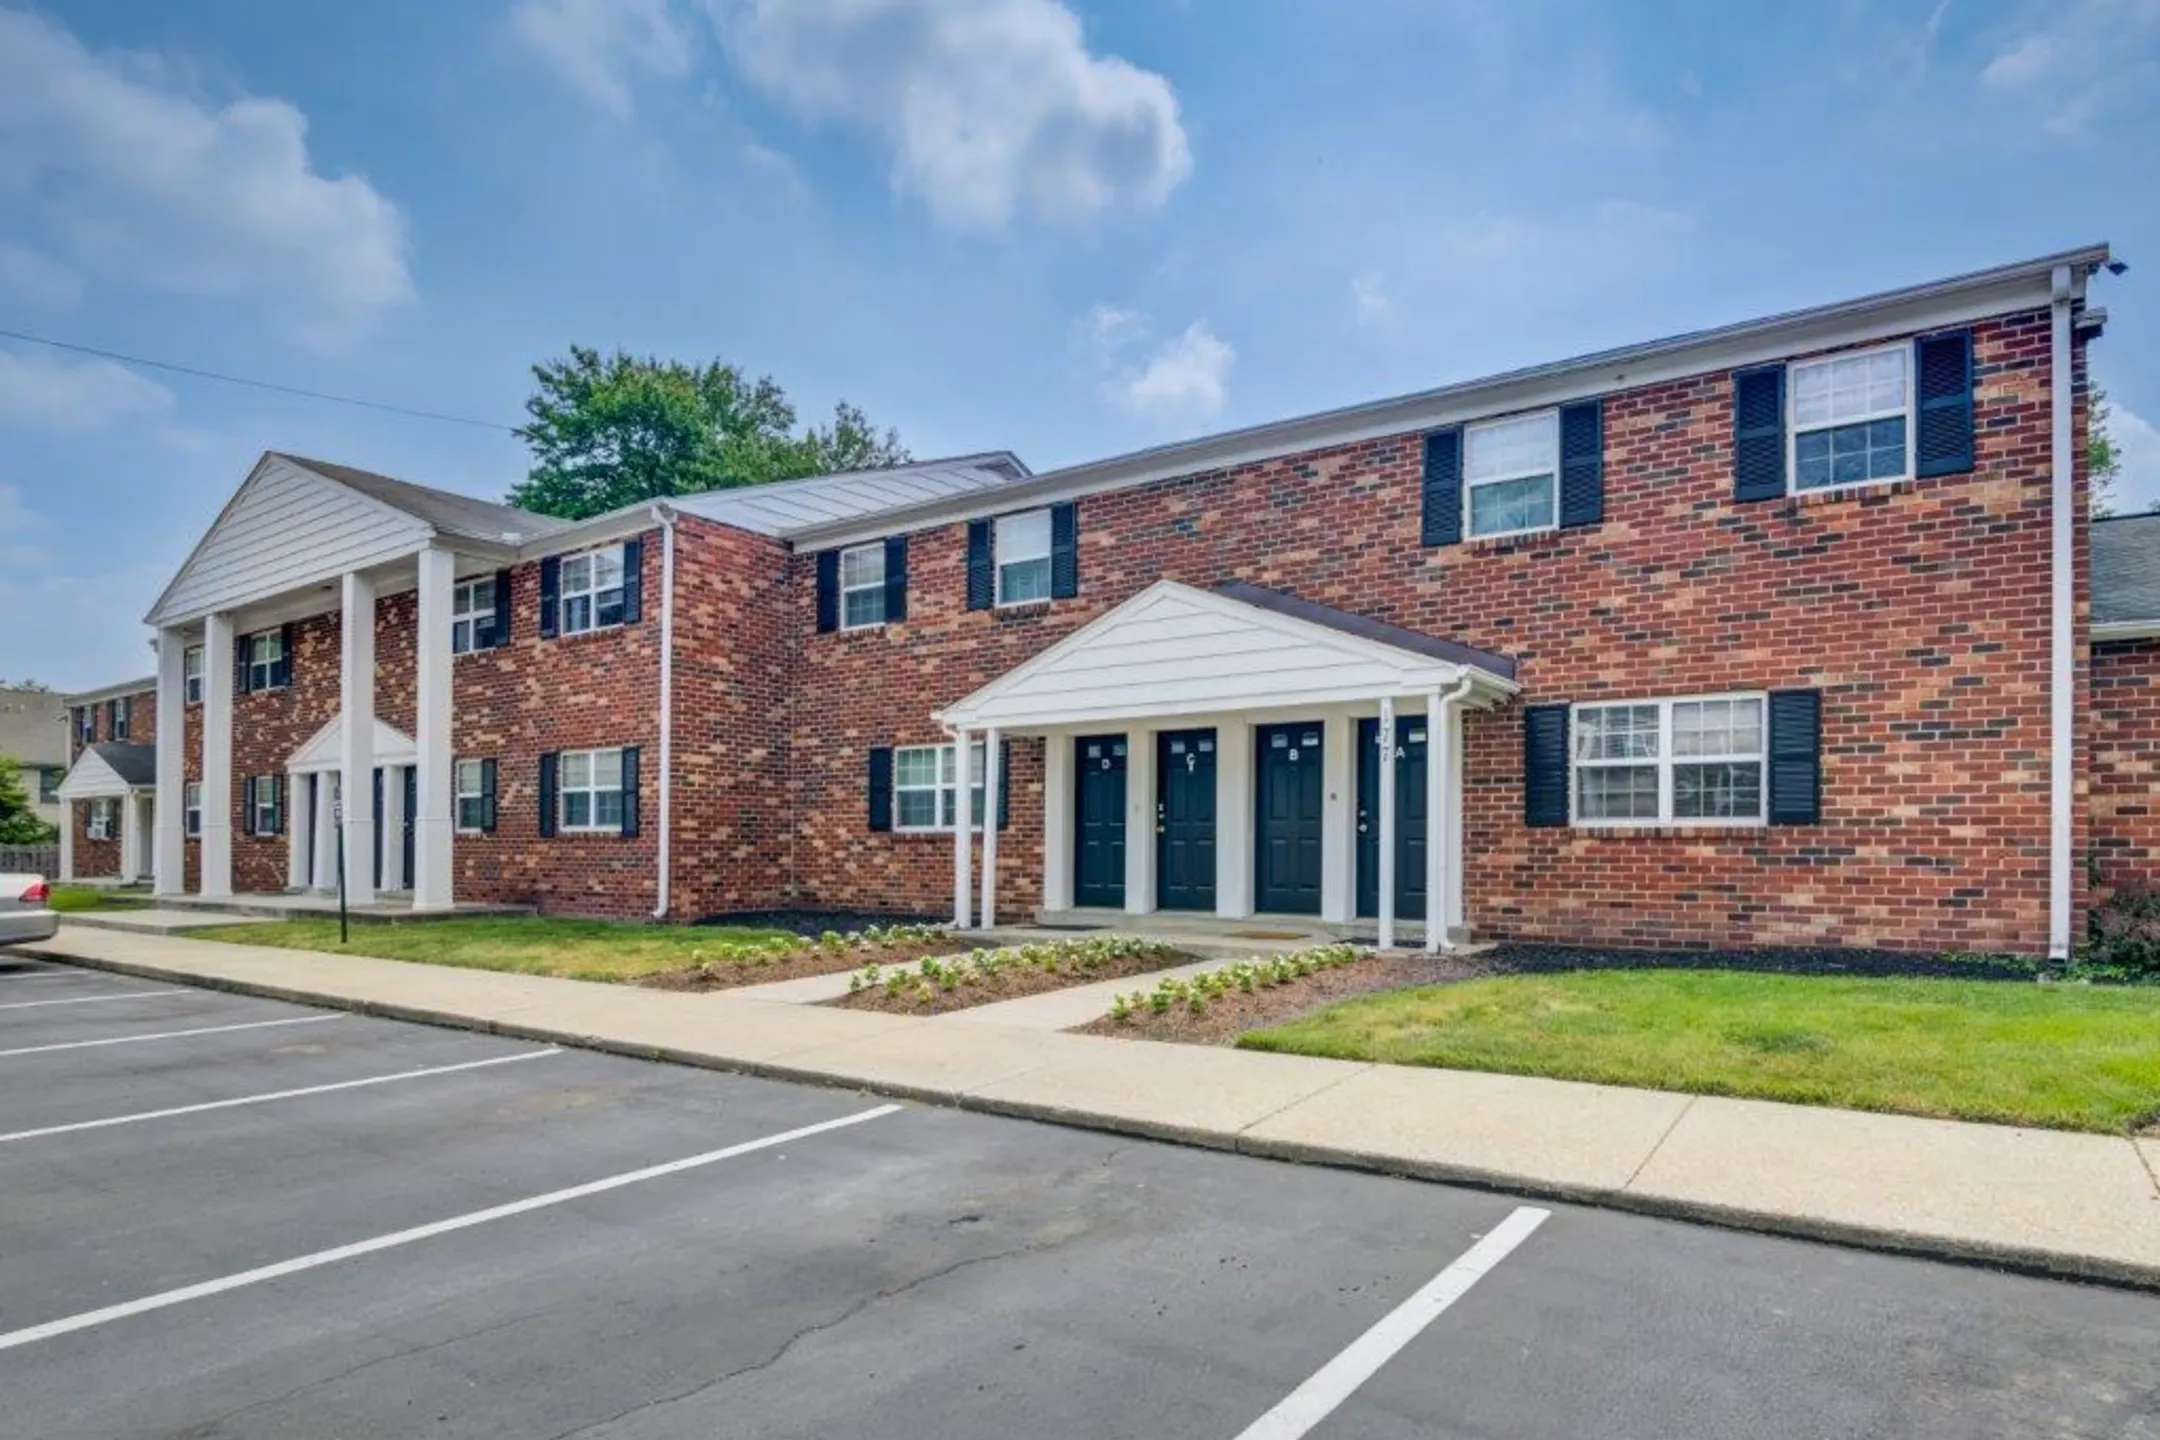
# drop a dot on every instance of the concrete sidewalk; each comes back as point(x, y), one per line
point(2083, 1206)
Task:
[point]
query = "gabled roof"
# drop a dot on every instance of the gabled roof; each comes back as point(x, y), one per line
point(447, 511)
point(324, 750)
point(1417, 642)
point(112, 768)
point(2126, 570)
point(786, 507)
point(111, 692)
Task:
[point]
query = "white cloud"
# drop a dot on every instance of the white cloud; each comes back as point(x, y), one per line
point(2080, 60)
point(41, 391)
point(127, 179)
point(1368, 292)
point(1185, 377)
point(599, 47)
point(2137, 446)
point(35, 278)
point(991, 108)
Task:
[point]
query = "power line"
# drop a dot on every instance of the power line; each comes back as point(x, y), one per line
point(256, 384)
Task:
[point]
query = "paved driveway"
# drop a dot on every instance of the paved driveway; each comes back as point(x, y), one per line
point(328, 1225)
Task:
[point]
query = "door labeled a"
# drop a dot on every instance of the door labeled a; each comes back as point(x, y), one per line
point(1410, 813)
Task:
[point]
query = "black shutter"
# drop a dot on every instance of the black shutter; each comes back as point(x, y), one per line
point(548, 762)
point(281, 673)
point(828, 591)
point(1944, 445)
point(881, 788)
point(633, 580)
point(240, 664)
point(277, 804)
point(895, 579)
point(1758, 420)
point(1064, 551)
point(1004, 798)
point(1442, 491)
point(1796, 757)
point(487, 796)
point(629, 792)
point(1545, 765)
point(981, 567)
point(247, 805)
point(1582, 463)
point(499, 629)
point(550, 600)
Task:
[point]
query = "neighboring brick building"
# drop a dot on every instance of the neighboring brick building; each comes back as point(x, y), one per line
point(1775, 634)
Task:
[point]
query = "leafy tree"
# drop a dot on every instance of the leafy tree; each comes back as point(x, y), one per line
point(2103, 462)
point(19, 824)
point(610, 431)
point(35, 687)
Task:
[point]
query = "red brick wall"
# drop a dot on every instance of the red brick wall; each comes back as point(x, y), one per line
point(1919, 609)
point(94, 858)
point(2125, 769)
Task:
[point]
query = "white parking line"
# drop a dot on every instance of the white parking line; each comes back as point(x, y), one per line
point(267, 1097)
point(1336, 1381)
point(282, 1268)
point(166, 1035)
point(88, 999)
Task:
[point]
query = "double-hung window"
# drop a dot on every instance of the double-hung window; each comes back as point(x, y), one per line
point(104, 820)
point(191, 808)
point(592, 589)
point(263, 805)
point(472, 795)
point(472, 616)
point(264, 650)
point(86, 724)
point(862, 587)
point(1851, 415)
point(1661, 761)
point(1511, 474)
point(117, 724)
point(191, 674)
point(923, 795)
point(49, 780)
point(1022, 547)
point(592, 793)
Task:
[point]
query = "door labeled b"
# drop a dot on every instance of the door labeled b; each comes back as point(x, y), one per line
point(1185, 819)
point(1289, 817)
point(1099, 763)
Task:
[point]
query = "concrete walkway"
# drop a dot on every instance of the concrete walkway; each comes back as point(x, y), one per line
point(2086, 1206)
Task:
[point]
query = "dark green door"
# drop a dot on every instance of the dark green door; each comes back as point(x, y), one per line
point(1409, 818)
point(1185, 819)
point(1099, 821)
point(1288, 819)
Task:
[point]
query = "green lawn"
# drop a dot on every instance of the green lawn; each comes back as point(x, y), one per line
point(529, 945)
point(94, 897)
point(2072, 1057)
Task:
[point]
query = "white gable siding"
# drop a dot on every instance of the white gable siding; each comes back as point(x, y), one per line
point(285, 529)
point(1177, 650)
point(92, 779)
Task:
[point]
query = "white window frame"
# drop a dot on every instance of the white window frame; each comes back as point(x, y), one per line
point(191, 809)
point(102, 823)
point(593, 824)
point(590, 590)
point(947, 798)
point(875, 550)
point(1665, 762)
point(191, 675)
point(86, 725)
point(1792, 417)
point(467, 615)
point(116, 717)
point(273, 650)
point(478, 792)
point(1002, 555)
point(1551, 418)
point(258, 787)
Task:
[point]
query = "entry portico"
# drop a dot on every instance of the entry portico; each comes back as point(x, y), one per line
point(1204, 749)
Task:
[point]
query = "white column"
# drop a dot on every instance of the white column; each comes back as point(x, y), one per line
point(1387, 820)
point(326, 830)
point(1437, 766)
point(215, 843)
point(989, 824)
point(1139, 822)
point(1233, 819)
point(67, 840)
point(356, 703)
point(963, 823)
point(393, 829)
point(433, 832)
point(1338, 834)
point(1058, 787)
point(131, 838)
point(168, 851)
point(299, 828)
point(1453, 917)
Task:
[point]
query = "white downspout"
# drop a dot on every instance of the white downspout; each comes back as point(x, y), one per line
point(666, 517)
point(1443, 713)
point(2062, 711)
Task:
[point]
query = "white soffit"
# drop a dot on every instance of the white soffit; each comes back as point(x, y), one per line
point(392, 747)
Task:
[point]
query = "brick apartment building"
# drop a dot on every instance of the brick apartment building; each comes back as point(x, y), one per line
point(1795, 631)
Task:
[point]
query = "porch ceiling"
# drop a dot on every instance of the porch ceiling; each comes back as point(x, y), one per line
point(1176, 650)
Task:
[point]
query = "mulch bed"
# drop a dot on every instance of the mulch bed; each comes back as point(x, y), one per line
point(1230, 1016)
point(728, 974)
point(810, 924)
point(1011, 983)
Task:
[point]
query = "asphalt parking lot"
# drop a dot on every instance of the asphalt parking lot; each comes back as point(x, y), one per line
point(223, 1216)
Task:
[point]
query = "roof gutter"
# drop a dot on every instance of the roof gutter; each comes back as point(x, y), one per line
point(665, 517)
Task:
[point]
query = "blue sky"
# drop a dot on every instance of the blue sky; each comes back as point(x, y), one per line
point(1067, 229)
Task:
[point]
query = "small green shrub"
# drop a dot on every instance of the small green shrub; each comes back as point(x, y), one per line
point(1196, 992)
point(2122, 938)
